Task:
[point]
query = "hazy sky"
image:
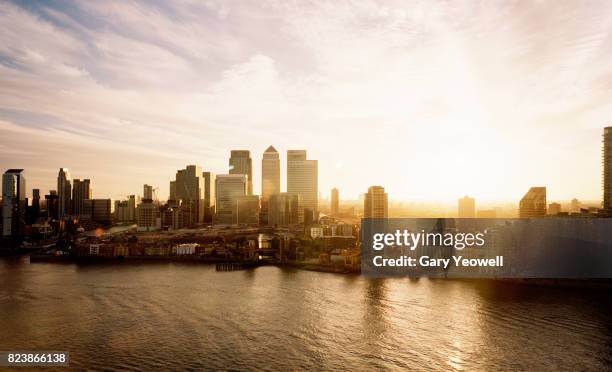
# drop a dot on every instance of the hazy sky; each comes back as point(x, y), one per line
point(432, 100)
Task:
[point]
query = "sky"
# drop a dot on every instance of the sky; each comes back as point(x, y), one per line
point(431, 99)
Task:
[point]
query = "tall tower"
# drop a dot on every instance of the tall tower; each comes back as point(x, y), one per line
point(375, 203)
point(81, 190)
point(466, 207)
point(302, 179)
point(240, 163)
point(533, 204)
point(64, 193)
point(13, 202)
point(607, 169)
point(270, 174)
point(335, 202)
point(209, 196)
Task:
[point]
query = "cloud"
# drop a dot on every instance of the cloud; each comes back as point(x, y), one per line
point(131, 91)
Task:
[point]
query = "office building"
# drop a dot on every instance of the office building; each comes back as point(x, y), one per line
point(81, 190)
point(209, 196)
point(467, 207)
point(607, 169)
point(98, 210)
point(14, 202)
point(247, 210)
point(335, 202)
point(147, 192)
point(283, 209)
point(302, 179)
point(533, 204)
point(64, 193)
point(35, 209)
point(125, 210)
point(228, 188)
point(375, 204)
point(52, 204)
point(270, 174)
point(189, 190)
point(240, 163)
point(148, 216)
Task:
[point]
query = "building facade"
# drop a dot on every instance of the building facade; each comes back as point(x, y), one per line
point(533, 204)
point(302, 179)
point(14, 202)
point(240, 163)
point(64, 193)
point(334, 207)
point(81, 190)
point(228, 187)
point(375, 203)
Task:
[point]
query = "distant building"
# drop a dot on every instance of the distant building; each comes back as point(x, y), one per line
point(554, 209)
point(486, 213)
point(575, 206)
point(607, 169)
point(189, 189)
point(247, 210)
point(98, 210)
point(81, 190)
point(240, 163)
point(467, 207)
point(228, 187)
point(64, 193)
point(148, 192)
point(284, 209)
point(209, 196)
point(533, 204)
point(125, 210)
point(14, 202)
point(35, 209)
point(375, 204)
point(52, 203)
point(302, 179)
point(270, 174)
point(335, 202)
point(148, 216)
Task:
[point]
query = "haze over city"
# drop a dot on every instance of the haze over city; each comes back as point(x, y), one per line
point(420, 97)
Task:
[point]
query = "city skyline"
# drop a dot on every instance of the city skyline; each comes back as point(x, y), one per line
point(492, 114)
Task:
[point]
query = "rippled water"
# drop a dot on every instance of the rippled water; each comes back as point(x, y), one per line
point(157, 316)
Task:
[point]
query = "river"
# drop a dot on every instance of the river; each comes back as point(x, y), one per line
point(169, 315)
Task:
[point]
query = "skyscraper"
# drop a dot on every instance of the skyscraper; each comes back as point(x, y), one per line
point(13, 202)
point(64, 193)
point(189, 189)
point(302, 179)
point(467, 207)
point(607, 169)
point(228, 187)
point(81, 190)
point(209, 196)
point(375, 203)
point(533, 204)
point(335, 202)
point(270, 174)
point(240, 163)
